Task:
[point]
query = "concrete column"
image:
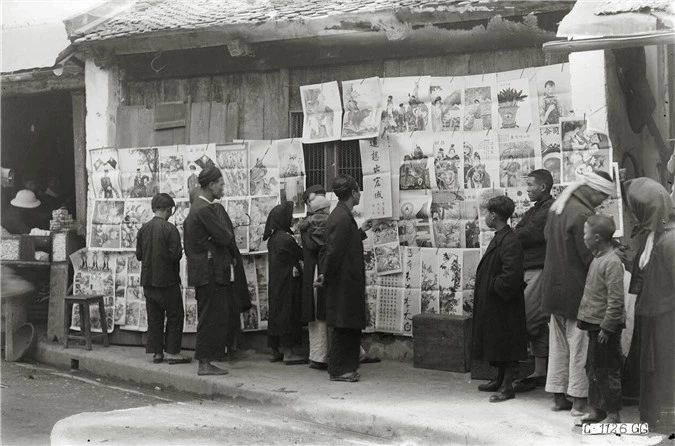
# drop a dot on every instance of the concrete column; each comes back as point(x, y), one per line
point(103, 97)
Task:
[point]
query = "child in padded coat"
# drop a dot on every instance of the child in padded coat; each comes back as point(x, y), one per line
point(315, 224)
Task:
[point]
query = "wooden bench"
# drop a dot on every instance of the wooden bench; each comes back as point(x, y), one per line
point(84, 302)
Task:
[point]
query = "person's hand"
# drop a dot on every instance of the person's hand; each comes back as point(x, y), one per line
point(319, 281)
point(368, 224)
point(603, 337)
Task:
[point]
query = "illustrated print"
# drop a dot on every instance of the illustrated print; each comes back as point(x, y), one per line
point(363, 108)
point(514, 104)
point(408, 105)
point(447, 106)
point(480, 161)
point(136, 213)
point(448, 220)
point(172, 171)
point(322, 110)
point(264, 165)
point(232, 160)
point(414, 226)
point(555, 93)
point(105, 171)
point(516, 159)
point(582, 150)
point(448, 165)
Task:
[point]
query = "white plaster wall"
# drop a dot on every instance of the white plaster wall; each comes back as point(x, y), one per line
point(103, 96)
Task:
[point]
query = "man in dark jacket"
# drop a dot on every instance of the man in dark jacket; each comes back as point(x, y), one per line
point(564, 276)
point(344, 278)
point(530, 231)
point(158, 248)
point(211, 253)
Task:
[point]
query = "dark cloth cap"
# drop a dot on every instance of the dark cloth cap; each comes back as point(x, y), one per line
point(280, 219)
point(316, 189)
point(209, 175)
point(161, 201)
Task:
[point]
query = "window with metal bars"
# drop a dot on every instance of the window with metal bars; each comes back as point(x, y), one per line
point(323, 161)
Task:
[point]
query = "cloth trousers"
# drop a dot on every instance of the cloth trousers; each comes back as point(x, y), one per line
point(318, 341)
point(218, 320)
point(603, 368)
point(536, 320)
point(160, 303)
point(345, 346)
point(568, 347)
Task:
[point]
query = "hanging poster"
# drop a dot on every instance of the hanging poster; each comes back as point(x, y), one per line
point(105, 173)
point(191, 316)
point(450, 281)
point(371, 286)
point(514, 104)
point(179, 216)
point(448, 219)
point(551, 150)
point(136, 214)
point(583, 151)
point(292, 174)
point(448, 166)
point(260, 208)
point(172, 171)
point(377, 182)
point(429, 286)
point(522, 203)
point(481, 162)
point(262, 274)
point(516, 159)
point(472, 218)
point(362, 99)
point(264, 165)
point(197, 158)
point(232, 160)
point(387, 247)
point(238, 210)
point(470, 261)
point(322, 111)
point(408, 105)
point(105, 232)
point(389, 309)
point(120, 287)
point(447, 105)
point(555, 93)
point(94, 273)
point(480, 99)
point(415, 153)
point(414, 226)
point(412, 294)
point(140, 172)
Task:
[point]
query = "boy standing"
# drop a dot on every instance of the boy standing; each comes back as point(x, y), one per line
point(601, 314)
point(158, 248)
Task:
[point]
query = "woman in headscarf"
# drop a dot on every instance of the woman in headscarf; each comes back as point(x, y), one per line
point(284, 327)
point(654, 283)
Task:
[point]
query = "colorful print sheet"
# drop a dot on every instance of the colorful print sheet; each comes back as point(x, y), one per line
point(322, 110)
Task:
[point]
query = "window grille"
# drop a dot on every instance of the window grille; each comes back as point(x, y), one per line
point(325, 160)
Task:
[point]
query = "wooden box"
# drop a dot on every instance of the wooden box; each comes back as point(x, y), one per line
point(442, 342)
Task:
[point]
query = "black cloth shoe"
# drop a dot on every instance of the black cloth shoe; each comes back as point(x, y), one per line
point(318, 365)
point(492, 386)
point(502, 395)
point(206, 368)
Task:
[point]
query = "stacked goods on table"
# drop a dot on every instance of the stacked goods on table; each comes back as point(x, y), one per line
point(61, 220)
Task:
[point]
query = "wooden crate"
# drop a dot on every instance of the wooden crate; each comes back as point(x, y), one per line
point(442, 342)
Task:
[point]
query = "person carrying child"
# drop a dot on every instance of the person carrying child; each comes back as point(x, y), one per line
point(601, 315)
point(499, 330)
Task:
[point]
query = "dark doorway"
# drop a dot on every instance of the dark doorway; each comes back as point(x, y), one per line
point(37, 141)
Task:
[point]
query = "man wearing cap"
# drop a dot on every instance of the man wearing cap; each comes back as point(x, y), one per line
point(212, 255)
point(158, 248)
point(23, 214)
point(564, 275)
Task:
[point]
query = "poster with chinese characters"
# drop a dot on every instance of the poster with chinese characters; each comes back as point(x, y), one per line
point(232, 160)
point(481, 160)
point(139, 172)
point(197, 158)
point(450, 281)
point(429, 285)
point(172, 171)
point(447, 104)
point(448, 166)
point(260, 208)
point(412, 283)
point(407, 105)
point(105, 225)
point(377, 182)
point(292, 174)
point(389, 309)
point(387, 247)
point(416, 159)
point(554, 89)
point(264, 165)
point(448, 219)
point(105, 173)
point(551, 151)
point(414, 225)
point(480, 102)
point(94, 273)
point(322, 110)
point(582, 151)
point(362, 99)
point(514, 105)
point(516, 159)
point(522, 203)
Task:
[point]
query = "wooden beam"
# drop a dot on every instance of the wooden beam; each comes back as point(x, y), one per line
point(32, 86)
point(80, 155)
point(610, 43)
point(284, 102)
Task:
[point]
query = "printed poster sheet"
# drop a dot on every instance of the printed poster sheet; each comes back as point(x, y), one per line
point(362, 99)
point(292, 174)
point(407, 105)
point(447, 104)
point(322, 109)
point(377, 180)
point(105, 173)
point(264, 164)
point(387, 247)
point(232, 160)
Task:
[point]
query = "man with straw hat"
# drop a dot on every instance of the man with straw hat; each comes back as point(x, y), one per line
point(22, 214)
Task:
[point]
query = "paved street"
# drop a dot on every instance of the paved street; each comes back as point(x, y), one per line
point(35, 398)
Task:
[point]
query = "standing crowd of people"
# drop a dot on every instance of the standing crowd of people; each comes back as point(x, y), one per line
point(555, 282)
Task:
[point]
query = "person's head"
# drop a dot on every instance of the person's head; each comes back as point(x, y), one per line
point(163, 205)
point(31, 185)
point(320, 204)
point(598, 231)
point(280, 218)
point(594, 196)
point(549, 87)
point(649, 203)
point(211, 182)
point(312, 191)
point(193, 168)
point(499, 210)
point(346, 189)
point(539, 184)
point(451, 150)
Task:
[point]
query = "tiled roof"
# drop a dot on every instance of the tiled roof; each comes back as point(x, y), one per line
point(646, 6)
point(151, 16)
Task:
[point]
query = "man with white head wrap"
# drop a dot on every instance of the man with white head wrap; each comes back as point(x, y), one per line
point(563, 278)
